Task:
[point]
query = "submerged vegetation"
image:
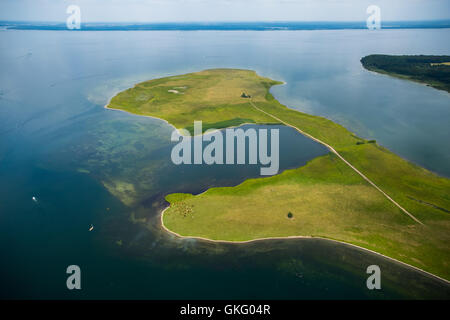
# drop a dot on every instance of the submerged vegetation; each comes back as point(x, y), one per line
point(330, 200)
point(432, 70)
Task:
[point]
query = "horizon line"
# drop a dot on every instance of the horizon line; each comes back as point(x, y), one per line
point(227, 21)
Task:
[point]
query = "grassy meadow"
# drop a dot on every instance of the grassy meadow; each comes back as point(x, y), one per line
point(325, 198)
point(213, 96)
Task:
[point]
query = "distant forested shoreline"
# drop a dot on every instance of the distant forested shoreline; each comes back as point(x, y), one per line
point(431, 70)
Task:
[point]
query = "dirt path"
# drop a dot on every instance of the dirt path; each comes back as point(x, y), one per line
point(342, 158)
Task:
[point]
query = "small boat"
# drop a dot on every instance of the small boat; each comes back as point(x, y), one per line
point(91, 227)
point(34, 199)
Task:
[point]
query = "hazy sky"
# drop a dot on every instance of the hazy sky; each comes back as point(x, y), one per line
point(223, 10)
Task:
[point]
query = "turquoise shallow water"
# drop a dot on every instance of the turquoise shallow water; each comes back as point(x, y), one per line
point(58, 143)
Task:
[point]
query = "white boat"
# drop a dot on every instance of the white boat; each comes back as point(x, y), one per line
point(91, 227)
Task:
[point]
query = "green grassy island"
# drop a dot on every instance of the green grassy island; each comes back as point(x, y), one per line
point(431, 70)
point(328, 197)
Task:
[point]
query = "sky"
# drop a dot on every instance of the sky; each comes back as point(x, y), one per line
point(222, 10)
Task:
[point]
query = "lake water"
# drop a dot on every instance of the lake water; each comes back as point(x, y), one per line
point(58, 143)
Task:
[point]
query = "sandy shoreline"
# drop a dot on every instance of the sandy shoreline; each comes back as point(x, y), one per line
point(445, 281)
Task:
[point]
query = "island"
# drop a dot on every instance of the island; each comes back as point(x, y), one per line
point(359, 193)
point(433, 71)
